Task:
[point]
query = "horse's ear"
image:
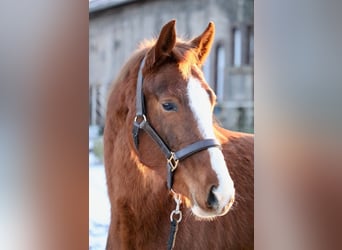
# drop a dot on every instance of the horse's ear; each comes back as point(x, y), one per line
point(204, 42)
point(165, 43)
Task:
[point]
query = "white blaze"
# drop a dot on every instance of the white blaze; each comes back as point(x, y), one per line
point(200, 105)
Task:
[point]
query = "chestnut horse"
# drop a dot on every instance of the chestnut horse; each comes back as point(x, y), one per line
point(162, 89)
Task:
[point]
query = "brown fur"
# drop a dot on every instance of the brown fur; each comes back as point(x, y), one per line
point(140, 201)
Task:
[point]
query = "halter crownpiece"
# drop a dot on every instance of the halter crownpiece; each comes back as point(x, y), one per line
point(140, 122)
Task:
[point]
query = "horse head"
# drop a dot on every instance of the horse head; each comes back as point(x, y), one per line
point(179, 105)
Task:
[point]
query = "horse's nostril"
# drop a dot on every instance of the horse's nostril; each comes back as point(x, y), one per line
point(212, 201)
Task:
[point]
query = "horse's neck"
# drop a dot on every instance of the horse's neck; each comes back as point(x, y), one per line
point(146, 191)
point(145, 207)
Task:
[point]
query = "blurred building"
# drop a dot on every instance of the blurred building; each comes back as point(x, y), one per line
point(117, 27)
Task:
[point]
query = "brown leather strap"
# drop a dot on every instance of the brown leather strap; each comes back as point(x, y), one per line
point(145, 125)
point(196, 147)
point(140, 105)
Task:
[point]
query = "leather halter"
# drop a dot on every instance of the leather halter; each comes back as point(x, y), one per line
point(140, 122)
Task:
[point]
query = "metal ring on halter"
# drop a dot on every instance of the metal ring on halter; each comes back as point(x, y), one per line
point(144, 119)
point(176, 212)
point(175, 195)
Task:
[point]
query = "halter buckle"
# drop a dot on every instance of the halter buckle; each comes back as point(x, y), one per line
point(172, 161)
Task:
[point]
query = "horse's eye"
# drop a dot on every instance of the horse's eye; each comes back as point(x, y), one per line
point(169, 106)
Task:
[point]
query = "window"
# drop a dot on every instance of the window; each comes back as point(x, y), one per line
point(220, 71)
point(241, 122)
point(95, 105)
point(236, 47)
point(99, 118)
point(250, 45)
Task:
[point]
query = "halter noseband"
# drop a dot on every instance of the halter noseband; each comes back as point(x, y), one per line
point(140, 122)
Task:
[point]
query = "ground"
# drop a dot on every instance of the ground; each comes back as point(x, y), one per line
point(99, 208)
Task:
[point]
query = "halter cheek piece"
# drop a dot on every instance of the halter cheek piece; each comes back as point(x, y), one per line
point(140, 122)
